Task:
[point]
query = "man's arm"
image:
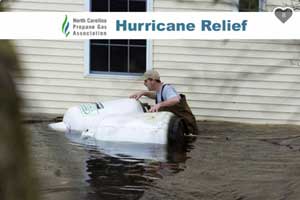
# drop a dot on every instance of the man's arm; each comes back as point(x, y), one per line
point(150, 94)
point(170, 102)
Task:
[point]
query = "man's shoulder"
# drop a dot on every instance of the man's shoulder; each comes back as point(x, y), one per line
point(167, 85)
point(169, 89)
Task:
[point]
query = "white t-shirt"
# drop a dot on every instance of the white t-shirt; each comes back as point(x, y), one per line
point(167, 93)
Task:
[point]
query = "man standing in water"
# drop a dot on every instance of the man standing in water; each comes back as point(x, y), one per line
point(167, 99)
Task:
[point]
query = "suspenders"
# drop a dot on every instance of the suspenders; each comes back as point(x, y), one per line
point(161, 94)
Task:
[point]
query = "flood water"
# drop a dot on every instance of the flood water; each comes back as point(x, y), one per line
point(70, 167)
point(228, 161)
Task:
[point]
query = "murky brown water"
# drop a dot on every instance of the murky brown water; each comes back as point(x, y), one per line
point(234, 161)
point(70, 168)
point(229, 161)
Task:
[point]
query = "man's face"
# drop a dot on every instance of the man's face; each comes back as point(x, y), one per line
point(149, 83)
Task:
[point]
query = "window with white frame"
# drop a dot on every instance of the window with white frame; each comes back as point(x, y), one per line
point(118, 56)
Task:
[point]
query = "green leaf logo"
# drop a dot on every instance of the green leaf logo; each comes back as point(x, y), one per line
point(65, 26)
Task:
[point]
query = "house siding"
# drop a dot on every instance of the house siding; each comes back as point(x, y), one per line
point(254, 81)
point(245, 81)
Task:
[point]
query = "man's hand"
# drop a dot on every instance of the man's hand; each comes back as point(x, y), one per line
point(155, 108)
point(150, 94)
point(137, 95)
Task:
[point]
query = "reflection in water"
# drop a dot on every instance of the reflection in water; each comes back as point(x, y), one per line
point(148, 151)
point(126, 170)
point(113, 178)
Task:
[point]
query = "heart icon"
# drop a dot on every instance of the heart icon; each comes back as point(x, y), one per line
point(283, 14)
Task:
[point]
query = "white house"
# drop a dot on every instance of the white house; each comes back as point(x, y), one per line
point(254, 81)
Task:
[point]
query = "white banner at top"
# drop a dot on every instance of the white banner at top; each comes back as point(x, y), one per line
point(280, 24)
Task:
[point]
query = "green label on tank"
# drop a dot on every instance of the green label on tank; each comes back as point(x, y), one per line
point(89, 109)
